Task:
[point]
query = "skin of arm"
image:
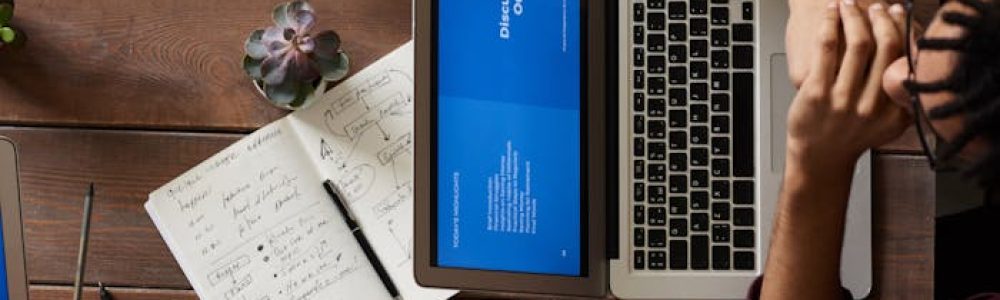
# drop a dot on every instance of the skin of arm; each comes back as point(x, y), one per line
point(840, 111)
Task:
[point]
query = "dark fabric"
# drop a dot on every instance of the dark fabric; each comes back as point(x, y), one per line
point(967, 255)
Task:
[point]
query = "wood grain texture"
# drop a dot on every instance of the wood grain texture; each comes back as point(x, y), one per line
point(61, 292)
point(163, 64)
point(127, 251)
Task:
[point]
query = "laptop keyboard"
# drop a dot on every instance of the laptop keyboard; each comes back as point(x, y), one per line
point(693, 135)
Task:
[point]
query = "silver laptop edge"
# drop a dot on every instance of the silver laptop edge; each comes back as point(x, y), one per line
point(773, 95)
point(10, 214)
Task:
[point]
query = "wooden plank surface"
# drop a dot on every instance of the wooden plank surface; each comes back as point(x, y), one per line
point(127, 251)
point(163, 64)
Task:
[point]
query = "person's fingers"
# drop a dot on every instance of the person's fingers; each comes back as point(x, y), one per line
point(857, 55)
point(824, 65)
point(889, 45)
point(898, 14)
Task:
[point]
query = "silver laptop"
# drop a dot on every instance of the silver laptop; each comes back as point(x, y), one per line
point(704, 94)
point(13, 279)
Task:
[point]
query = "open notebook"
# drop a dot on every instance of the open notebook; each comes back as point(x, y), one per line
point(254, 222)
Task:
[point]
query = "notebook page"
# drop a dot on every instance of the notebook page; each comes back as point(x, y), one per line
point(361, 137)
point(253, 222)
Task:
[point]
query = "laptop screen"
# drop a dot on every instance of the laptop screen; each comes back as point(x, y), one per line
point(508, 146)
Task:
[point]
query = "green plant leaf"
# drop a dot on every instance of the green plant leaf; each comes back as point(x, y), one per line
point(254, 46)
point(327, 44)
point(305, 91)
point(7, 35)
point(252, 66)
point(280, 15)
point(282, 93)
point(6, 13)
point(334, 69)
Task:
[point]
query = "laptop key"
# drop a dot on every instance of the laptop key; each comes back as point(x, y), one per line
point(720, 167)
point(638, 192)
point(678, 162)
point(699, 222)
point(720, 190)
point(677, 54)
point(743, 119)
point(677, 10)
point(657, 64)
point(657, 216)
point(720, 146)
point(677, 97)
point(657, 260)
point(657, 172)
point(720, 81)
point(699, 178)
point(639, 259)
point(657, 238)
point(657, 151)
point(699, 70)
point(720, 211)
point(747, 11)
point(678, 255)
point(720, 59)
point(638, 79)
point(639, 237)
point(658, 42)
point(678, 140)
point(699, 201)
point(699, 252)
point(638, 35)
point(699, 7)
point(656, 21)
point(699, 26)
point(699, 113)
point(678, 75)
point(638, 12)
point(743, 192)
point(639, 147)
point(657, 107)
point(743, 260)
point(720, 257)
point(720, 37)
point(743, 238)
point(678, 184)
point(638, 57)
point(699, 91)
point(720, 15)
point(743, 216)
point(678, 206)
point(720, 124)
point(699, 48)
point(678, 118)
point(639, 169)
point(699, 157)
point(657, 129)
point(639, 214)
point(657, 194)
point(720, 102)
point(656, 3)
point(677, 32)
point(743, 32)
point(743, 57)
point(657, 85)
point(638, 102)
point(720, 233)
point(699, 135)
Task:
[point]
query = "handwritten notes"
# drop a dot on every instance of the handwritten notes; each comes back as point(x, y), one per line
point(253, 221)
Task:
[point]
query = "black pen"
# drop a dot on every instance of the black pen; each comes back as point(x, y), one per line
point(355, 228)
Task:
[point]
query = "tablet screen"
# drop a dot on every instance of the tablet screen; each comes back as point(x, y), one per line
point(508, 145)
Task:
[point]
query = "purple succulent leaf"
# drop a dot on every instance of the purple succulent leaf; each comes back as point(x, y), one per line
point(282, 93)
point(274, 70)
point(333, 69)
point(299, 5)
point(301, 68)
point(255, 46)
point(302, 20)
point(275, 42)
point(327, 44)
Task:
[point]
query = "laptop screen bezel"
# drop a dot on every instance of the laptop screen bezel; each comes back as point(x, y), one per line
point(10, 215)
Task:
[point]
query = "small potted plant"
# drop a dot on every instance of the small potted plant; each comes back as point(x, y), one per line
point(8, 35)
point(289, 65)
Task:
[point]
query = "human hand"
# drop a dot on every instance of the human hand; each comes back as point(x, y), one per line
point(841, 109)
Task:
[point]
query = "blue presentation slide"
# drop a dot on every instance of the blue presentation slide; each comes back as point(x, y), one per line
point(509, 147)
point(3, 267)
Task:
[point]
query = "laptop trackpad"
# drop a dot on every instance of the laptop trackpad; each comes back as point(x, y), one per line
point(782, 93)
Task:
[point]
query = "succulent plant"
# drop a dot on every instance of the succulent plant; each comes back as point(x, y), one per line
point(8, 35)
point(287, 61)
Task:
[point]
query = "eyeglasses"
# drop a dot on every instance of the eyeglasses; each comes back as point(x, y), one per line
point(930, 139)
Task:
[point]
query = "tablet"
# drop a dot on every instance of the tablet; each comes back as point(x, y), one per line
point(510, 184)
point(12, 266)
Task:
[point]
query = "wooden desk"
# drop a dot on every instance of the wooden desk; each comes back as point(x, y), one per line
point(129, 94)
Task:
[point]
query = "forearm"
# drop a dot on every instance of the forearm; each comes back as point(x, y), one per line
point(804, 259)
